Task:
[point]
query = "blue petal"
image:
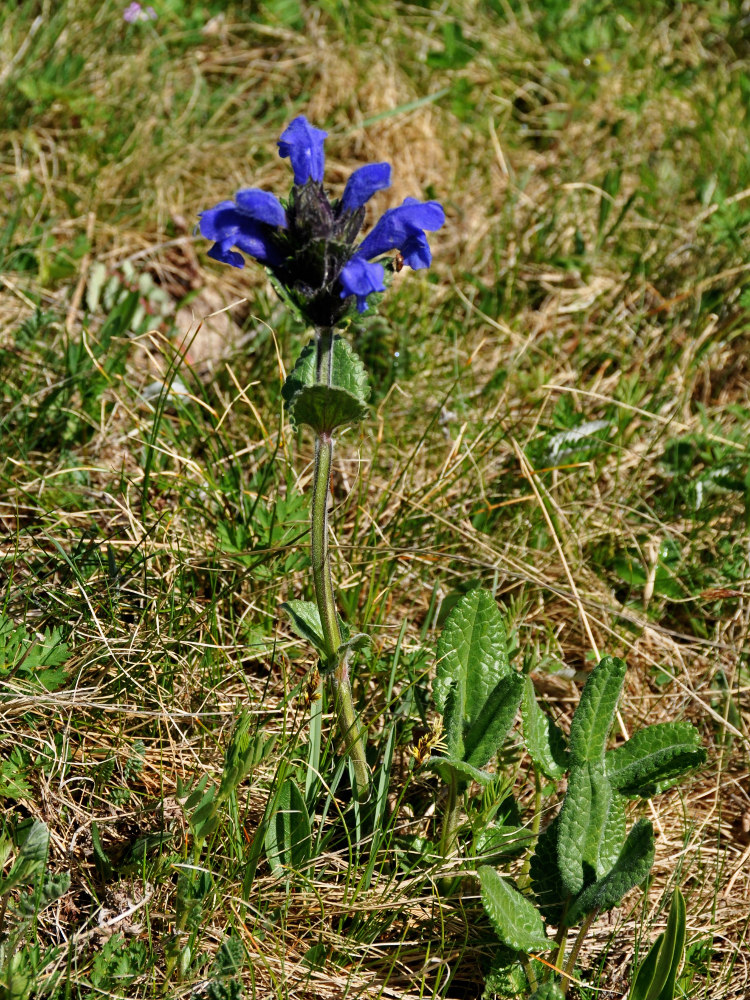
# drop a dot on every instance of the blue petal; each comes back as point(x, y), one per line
point(363, 184)
point(215, 222)
point(221, 251)
point(303, 144)
point(361, 279)
point(416, 251)
point(230, 226)
point(262, 205)
point(397, 228)
point(258, 245)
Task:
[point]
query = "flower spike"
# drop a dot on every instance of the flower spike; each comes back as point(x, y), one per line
point(309, 243)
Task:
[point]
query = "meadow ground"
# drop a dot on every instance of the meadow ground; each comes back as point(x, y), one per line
point(560, 413)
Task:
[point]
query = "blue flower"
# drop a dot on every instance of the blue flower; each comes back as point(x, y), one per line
point(309, 243)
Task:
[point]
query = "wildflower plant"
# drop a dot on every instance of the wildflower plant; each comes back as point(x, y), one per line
point(311, 248)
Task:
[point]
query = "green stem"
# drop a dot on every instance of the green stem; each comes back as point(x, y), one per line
point(348, 722)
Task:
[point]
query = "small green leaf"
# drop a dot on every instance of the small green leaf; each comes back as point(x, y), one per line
point(305, 619)
point(471, 653)
point(548, 991)
point(631, 868)
point(544, 871)
point(287, 838)
point(592, 827)
point(514, 918)
point(544, 740)
point(102, 862)
point(485, 736)
point(496, 844)
point(654, 758)
point(326, 407)
point(655, 979)
point(596, 710)
point(355, 644)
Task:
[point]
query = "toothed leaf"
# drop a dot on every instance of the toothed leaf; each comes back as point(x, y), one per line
point(592, 827)
point(630, 869)
point(485, 736)
point(471, 654)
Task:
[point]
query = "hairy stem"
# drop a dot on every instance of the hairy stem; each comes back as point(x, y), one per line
point(449, 835)
point(576, 948)
point(348, 723)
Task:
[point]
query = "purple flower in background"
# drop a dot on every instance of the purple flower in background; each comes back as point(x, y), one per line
point(135, 12)
point(309, 243)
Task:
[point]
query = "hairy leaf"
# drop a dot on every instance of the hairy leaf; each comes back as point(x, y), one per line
point(485, 736)
point(287, 838)
point(543, 739)
point(631, 868)
point(653, 759)
point(305, 619)
point(596, 710)
point(514, 918)
point(544, 871)
point(592, 827)
point(656, 977)
point(471, 653)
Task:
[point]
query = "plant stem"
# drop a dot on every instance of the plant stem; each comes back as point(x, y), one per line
point(576, 948)
point(348, 723)
point(449, 835)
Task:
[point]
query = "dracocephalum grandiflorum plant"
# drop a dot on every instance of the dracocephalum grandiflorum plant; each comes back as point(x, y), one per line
point(309, 246)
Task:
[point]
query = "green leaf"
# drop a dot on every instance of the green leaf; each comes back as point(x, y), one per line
point(485, 736)
point(654, 758)
point(324, 408)
point(543, 739)
point(514, 918)
point(471, 653)
point(630, 869)
point(102, 862)
point(287, 838)
point(656, 977)
point(305, 619)
point(548, 991)
point(448, 767)
point(327, 407)
point(596, 710)
point(592, 827)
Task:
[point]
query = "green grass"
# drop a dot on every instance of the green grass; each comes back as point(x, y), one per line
point(586, 317)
